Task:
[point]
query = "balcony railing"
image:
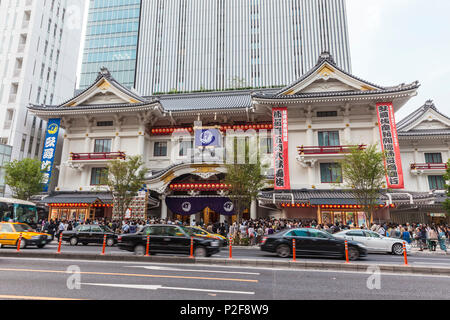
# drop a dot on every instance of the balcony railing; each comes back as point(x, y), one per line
point(429, 166)
point(98, 156)
point(328, 150)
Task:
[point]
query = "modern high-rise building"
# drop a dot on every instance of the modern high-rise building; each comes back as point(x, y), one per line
point(38, 60)
point(111, 40)
point(191, 45)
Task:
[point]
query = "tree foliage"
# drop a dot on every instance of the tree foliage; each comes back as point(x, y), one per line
point(246, 180)
point(124, 179)
point(364, 174)
point(24, 177)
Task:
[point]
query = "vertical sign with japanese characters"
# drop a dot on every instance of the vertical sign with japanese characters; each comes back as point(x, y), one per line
point(280, 148)
point(390, 145)
point(48, 153)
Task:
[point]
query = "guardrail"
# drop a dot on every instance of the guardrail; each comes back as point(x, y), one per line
point(97, 156)
point(317, 150)
point(429, 166)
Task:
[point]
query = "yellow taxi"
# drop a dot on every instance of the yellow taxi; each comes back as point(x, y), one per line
point(10, 233)
point(205, 234)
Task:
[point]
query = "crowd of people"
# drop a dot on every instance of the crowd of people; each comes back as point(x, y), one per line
point(251, 232)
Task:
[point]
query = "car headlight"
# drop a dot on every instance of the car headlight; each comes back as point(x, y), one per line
point(35, 237)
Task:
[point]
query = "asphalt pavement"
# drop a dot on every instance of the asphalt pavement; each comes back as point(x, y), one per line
point(418, 259)
point(41, 279)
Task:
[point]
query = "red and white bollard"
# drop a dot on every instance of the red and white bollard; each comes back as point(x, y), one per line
point(148, 246)
point(192, 248)
point(104, 245)
point(294, 249)
point(19, 242)
point(230, 245)
point(346, 252)
point(405, 253)
point(60, 241)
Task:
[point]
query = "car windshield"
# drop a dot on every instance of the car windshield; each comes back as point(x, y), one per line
point(23, 228)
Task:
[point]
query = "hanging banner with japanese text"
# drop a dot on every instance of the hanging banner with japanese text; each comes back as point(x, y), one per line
point(390, 145)
point(280, 148)
point(48, 153)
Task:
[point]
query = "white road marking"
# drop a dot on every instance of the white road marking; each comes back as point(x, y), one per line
point(229, 267)
point(157, 287)
point(192, 270)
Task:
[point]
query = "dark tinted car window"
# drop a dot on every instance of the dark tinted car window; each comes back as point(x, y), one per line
point(83, 229)
point(153, 231)
point(355, 234)
point(172, 231)
point(298, 233)
point(318, 234)
point(96, 229)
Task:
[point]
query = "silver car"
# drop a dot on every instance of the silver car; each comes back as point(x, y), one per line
point(375, 242)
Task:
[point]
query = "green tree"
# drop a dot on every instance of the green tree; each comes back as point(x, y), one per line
point(446, 203)
point(364, 174)
point(246, 180)
point(124, 179)
point(25, 178)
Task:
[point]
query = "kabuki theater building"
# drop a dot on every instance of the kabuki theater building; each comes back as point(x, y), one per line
point(301, 131)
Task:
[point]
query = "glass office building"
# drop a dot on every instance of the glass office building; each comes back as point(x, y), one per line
point(111, 40)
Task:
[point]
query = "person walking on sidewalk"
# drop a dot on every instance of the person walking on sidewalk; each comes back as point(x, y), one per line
point(422, 238)
point(442, 238)
point(432, 238)
point(406, 236)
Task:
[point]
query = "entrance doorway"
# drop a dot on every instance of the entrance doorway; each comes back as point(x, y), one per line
point(210, 217)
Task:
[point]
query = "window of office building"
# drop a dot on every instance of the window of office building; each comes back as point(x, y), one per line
point(102, 145)
point(329, 138)
point(160, 149)
point(436, 182)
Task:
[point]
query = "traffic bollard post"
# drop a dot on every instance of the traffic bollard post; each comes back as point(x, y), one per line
point(104, 245)
point(59, 244)
point(346, 252)
point(148, 246)
point(19, 242)
point(405, 253)
point(192, 248)
point(294, 249)
point(230, 245)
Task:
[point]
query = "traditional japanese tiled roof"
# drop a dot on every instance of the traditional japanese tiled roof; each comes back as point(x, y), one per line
point(339, 197)
point(78, 197)
point(411, 118)
point(89, 107)
point(324, 58)
point(232, 99)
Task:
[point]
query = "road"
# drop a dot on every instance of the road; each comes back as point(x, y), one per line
point(29, 278)
point(253, 253)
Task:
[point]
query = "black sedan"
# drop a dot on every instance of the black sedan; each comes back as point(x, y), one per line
point(311, 242)
point(168, 239)
point(86, 234)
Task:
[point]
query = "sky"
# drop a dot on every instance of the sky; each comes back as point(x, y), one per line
point(401, 41)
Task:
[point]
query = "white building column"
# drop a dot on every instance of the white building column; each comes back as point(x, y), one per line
point(253, 210)
point(64, 158)
point(163, 207)
point(347, 130)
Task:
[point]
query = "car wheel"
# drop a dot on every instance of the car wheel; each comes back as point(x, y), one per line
point(397, 249)
point(139, 250)
point(283, 251)
point(353, 254)
point(110, 242)
point(73, 241)
point(200, 252)
point(41, 246)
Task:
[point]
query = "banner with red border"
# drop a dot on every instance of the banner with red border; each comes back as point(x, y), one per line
point(280, 148)
point(390, 145)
